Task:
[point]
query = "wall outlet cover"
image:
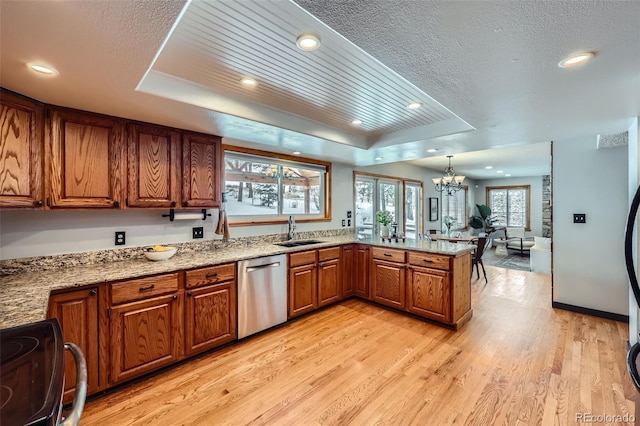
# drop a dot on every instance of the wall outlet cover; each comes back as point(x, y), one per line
point(348, 214)
point(348, 222)
point(120, 238)
point(579, 218)
point(198, 232)
point(344, 222)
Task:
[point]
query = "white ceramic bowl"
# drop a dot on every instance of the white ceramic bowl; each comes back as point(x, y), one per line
point(160, 255)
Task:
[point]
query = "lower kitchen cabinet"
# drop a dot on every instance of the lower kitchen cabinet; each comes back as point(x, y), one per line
point(329, 276)
point(428, 293)
point(388, 283)
point(302, 289)
point(361, 275)
point(145, 334)
point(210, 314)
point(77, 312)
point(348, 270)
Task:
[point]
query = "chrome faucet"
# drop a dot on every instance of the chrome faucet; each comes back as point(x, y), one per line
point(292, 227)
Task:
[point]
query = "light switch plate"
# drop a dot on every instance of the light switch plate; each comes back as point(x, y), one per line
point(579, 218)
point(120, 238)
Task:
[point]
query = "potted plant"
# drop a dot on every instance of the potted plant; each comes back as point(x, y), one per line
point(483, 220)
point(448, 222)
point(384, 218)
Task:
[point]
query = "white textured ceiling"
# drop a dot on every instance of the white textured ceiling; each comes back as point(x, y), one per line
point(493, 64)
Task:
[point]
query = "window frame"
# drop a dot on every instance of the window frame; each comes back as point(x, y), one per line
point(465, 189)
point(527, 188)
point(324, 216)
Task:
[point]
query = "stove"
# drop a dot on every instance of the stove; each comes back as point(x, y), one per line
point(32, 374)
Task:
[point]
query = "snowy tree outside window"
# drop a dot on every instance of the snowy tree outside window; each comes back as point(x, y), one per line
point(509, 205)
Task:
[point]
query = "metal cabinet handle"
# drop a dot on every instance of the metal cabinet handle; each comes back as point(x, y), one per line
point(81, 386)
point(175, 297)
point(39, 203)
point(116, 204)
point(173, 204)
point(387, 254)
point(189, 293)
point(427, 260)
point(214, 275)
point(151, 287)
point(93, 292)
point(185, 204)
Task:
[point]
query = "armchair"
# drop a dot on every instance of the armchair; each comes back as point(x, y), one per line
point(517, 241)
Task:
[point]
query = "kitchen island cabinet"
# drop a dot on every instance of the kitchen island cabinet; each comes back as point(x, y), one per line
point(21, 151)
point(388, 277)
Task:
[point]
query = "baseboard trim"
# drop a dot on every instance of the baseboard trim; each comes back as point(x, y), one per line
point(592, 312)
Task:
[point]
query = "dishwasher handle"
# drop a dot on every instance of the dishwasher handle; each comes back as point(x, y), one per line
point(81, 386)
point(268, 265)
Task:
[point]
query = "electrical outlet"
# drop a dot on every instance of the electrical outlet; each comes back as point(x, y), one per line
point(198, 232)
point(348, 214)
point(343, 223)
point(120, 238)
point(348, 222)
point(579, 218)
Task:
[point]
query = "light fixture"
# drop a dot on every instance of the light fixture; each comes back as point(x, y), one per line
point(499, 171)
point(449, 183)
point(414, 105)
point(507, 175)
point(432, 150)
point(296, 152)
point(308, 42)
point(356, 122)
point(248, 81)
point(489, 167)
point(43, 69)
point(378, 158)
point(575, 60)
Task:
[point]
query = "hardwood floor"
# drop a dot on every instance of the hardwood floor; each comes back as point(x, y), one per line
point(517, 362)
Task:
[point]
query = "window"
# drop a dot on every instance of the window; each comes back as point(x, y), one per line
point(260, 188)
point(413, 209)
point(510, 205)
point(455, 205)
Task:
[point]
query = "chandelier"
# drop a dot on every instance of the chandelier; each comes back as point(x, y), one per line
point(449, 183)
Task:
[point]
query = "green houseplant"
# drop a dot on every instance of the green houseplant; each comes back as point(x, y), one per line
point(483, 220)
point(384, 218)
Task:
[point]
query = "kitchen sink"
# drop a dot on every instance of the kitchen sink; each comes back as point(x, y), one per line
point(298, 243)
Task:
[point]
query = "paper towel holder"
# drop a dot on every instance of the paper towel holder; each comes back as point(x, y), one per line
point(172, 214)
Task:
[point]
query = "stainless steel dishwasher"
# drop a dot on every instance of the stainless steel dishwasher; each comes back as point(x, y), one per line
point(262, 294)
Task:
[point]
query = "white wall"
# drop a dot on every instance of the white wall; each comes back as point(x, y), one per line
point(634, 178)
point(588, 259)
point(536, 196)
point(26, 233)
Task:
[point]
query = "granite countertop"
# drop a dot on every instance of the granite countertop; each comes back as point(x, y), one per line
point(24, 296)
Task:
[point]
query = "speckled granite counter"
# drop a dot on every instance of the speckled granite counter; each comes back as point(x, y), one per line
point(24, 296)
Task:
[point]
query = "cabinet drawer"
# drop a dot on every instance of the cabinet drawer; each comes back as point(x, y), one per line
point(328, 253)
point(144, 288)
point(302, 258)
point(212, 275)
point(390, 255)
point(429, 260)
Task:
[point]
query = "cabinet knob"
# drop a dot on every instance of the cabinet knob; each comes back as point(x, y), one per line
point(116, 204)
point(93, 292)
point(175, 297)
point(173, 204)
point(39, 203)
point(188, 294)
point(185, 204)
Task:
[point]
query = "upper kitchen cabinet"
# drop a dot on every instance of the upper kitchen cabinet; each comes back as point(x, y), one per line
point(201, 170)
point(85, 152)
point(154, 156)
point(21, 148)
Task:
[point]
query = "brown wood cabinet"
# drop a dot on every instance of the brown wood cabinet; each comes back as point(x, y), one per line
point(428, 293)
point(146, 334)
point(329, 276)
point(361, 277)
point(202, 169)
point(210, 309)
point(348, 269)
point(21, 151)
point(154, 156)
point(303, 287)
point(388, 277)
point(85, 153)
point(77, 312)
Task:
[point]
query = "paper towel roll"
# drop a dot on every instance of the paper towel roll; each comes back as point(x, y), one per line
point(187, 216)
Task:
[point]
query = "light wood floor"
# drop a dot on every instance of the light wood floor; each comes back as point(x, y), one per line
point(517, 362)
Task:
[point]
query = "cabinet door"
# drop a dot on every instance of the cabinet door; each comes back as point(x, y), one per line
point(77, 313)
point(329, 277)
point(302, 290)
point(210, 314)
point(144, 336)
point(21, 147)
point(154, 166)
point(85, 152)
point(348, 270)
point(361, 279)
point(428, 293)
point(388, 283)
point(202, 170)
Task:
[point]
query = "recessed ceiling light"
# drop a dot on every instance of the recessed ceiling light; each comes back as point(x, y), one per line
point(489, 167)
point(432, 150)
point(575, 60)
point(308, 41)
point(248, 81)
point(414, 105)
point(499, 171)
point(42, 69)
point(296, 152)
point(378, 158)
point(507, 175)
point(356, 122)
